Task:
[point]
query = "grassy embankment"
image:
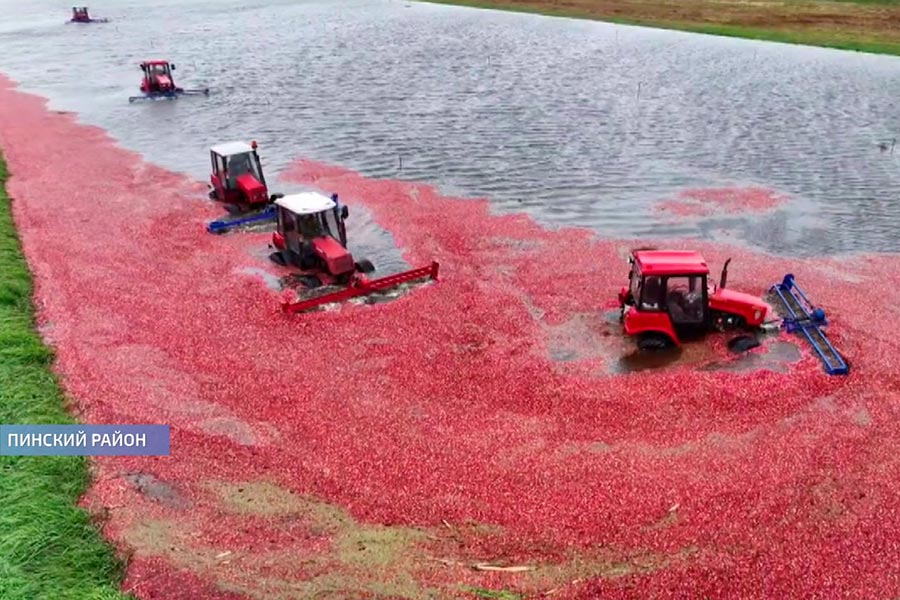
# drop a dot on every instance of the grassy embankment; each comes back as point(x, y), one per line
point(49, 548)
point(863, 25)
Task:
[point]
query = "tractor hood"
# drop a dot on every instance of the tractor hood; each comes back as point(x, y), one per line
point(751, 308)
point(164, 82)
point(337, 259)
point(254, 192)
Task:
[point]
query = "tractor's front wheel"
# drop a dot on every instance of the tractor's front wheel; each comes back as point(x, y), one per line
point(728, 322)
point(743, 343)
point(365, 266)
point(653, 342)
point(311, 282)
point(308, 262)
point(278, 258)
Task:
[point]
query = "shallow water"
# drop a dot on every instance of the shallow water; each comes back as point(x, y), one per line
point(578, 123)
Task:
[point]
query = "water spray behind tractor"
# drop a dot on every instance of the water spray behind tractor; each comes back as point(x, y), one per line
point(311, 236)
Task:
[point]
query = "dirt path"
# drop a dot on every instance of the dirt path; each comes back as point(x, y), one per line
point(381, 451)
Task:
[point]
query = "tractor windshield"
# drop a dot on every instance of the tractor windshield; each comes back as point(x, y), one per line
point(310, 226)
point(241, 164)
point(330, 223)
point(159, 69)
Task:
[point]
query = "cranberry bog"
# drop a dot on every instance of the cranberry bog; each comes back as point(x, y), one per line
point(491, 431)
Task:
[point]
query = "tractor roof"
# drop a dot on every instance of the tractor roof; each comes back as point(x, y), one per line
point(306, 203)
point(670, 262)
point(231, 148)
point(156, 62)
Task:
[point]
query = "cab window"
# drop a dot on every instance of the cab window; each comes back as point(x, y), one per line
point(651, 292)
point(684, 298)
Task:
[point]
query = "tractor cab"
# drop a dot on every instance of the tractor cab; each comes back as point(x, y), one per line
point(237, 175)
point(312, 235)
point(157, 77)
point(669, 299)
point(80, 14)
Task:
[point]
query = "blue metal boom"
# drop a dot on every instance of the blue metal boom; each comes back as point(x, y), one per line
point(223, 225)
point(168, 95)
point(807, 319)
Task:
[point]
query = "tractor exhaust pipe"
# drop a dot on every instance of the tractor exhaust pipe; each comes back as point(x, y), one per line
point(724, 275)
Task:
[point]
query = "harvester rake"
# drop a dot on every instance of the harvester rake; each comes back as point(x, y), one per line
point(169, 95)
point(363, 287)
point(804, 318)
point(225, 225)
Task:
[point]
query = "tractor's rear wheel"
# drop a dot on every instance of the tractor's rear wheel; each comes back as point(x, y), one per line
point(652, 342)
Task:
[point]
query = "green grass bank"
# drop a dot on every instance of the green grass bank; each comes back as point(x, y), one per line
point(860, 25)
point(49, 548)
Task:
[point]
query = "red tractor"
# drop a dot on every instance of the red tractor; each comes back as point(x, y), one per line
point(80, 15)
point(670, 299)
point(311, 235)
point(237, 177)
point(158, 83)
point(158, 77)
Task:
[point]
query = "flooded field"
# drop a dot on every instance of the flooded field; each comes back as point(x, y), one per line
point(578, 123)
point(498, 417)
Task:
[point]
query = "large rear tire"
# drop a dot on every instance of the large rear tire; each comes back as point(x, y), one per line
point(653, 342)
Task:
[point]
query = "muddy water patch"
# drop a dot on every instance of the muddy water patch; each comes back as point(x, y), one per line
point(157, 490)
point(272, 281)
point(581, 337)
point(366, 560)
point(776, 356)
point(232, 428)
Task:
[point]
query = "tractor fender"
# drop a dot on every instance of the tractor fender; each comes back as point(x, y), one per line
point(641, 323)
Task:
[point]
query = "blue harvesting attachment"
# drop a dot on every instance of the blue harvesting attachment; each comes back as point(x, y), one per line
point(168, 95)
point(808, 320)
point(225, 225)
